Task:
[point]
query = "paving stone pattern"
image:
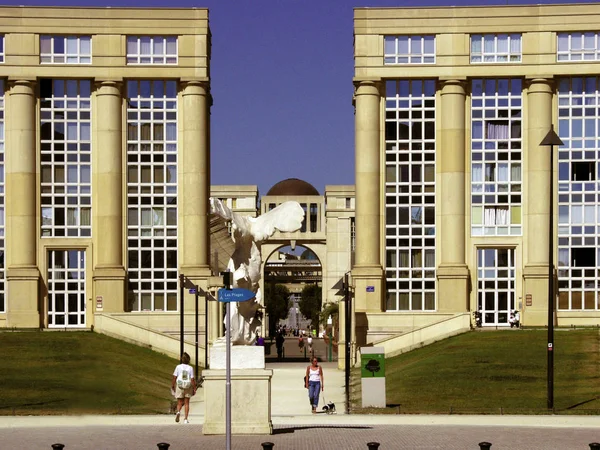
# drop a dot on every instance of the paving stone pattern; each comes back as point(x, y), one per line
point(303, 437)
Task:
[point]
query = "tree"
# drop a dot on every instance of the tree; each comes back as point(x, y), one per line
point(310, 303)
point(373, 366)
point(277, 304)
point(330, 309)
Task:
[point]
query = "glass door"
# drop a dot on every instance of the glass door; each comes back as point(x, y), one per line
point(495, 285)
point(66, 288)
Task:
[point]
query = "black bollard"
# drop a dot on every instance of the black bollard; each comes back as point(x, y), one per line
point(373, 445)
point(267, 445)
point(595, 446)
point(58, 446)
point(163, 446)
point(485, 445)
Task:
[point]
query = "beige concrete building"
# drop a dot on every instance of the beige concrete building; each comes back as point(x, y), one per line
point(106, 164)
point(452, 184)
point(104, 156)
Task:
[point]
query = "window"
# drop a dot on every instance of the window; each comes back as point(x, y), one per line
point(577, 47)
point(314, 217)
point(66, 49)
point(2, 51)
point(409, 50)
point(495, 48)
point(66, 158)
point(152, 195)
point(151, 50)
point(578, 194)
point(496, 155)
point(303, 225)
point(410, 195)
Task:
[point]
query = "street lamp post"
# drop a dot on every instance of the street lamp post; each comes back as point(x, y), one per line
point(551, 139)
point(348, 336)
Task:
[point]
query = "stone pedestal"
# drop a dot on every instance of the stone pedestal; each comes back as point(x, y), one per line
point(250, 391)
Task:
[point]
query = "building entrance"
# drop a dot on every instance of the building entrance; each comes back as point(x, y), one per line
point(495, 285)
point(66, 288)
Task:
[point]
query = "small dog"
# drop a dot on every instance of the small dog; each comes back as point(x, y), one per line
point(329, 408)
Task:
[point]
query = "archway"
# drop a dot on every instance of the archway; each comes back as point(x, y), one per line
point(292, 270)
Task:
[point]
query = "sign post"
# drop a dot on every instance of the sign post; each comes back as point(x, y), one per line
point(184, 283)
point(227, 296)
point(196, 294)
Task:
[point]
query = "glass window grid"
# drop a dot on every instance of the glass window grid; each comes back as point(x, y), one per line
point(495, 285)
point(496, 152)
point(66, 288)
point(409, 49)
point(2, 51)
point(2, 214)
point(410, 195)
point(578, 199)
point(66, 151)
point(151, 50)
point(492, 53)
point(65, 49)
point(152, 195)
point(577, 47)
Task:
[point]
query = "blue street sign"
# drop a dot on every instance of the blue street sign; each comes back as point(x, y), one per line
point(370, 288)
point(192, 291)
point(235, 295)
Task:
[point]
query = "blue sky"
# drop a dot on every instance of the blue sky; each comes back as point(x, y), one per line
point(282, 84)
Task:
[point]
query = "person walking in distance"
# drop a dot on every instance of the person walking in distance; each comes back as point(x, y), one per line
point(279, 341)
point(183, 384)
point(314, 383)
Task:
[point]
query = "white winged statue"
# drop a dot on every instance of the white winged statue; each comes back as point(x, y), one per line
point(249, 233)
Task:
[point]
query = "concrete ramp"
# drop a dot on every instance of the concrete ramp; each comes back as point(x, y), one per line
point(418, 337)
point(143, 336)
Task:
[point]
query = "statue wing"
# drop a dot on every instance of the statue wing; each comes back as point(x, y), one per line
point(219, 208)
point(286, 217)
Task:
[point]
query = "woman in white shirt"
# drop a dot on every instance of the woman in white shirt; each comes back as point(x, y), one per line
point(183, 386)
point(314, 383)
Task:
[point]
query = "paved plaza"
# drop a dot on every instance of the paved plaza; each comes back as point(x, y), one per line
point(295, 428)
point(321, 432)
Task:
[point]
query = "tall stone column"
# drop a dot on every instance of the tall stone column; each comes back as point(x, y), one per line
point(367, 273)
point(452, 273)
point(109, 271)
point(23, 309)
point(195, 191)
point(535, 272)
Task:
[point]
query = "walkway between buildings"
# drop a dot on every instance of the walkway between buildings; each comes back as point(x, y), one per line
point(288, 396)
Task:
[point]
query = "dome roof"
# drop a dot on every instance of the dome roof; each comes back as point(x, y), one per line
point(292, 187)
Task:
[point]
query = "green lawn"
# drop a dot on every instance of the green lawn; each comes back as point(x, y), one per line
point(494, 372)
point(81, 373)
